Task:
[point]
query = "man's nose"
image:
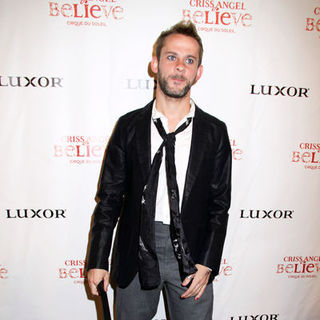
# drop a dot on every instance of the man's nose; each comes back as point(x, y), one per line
point(180, 66)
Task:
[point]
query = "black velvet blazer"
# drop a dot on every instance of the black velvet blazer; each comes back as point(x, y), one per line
point(205, 203)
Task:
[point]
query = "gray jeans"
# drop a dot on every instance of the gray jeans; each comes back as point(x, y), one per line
point(133, 303)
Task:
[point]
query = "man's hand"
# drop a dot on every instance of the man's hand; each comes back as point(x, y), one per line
point(199, 282)
point(94, 277)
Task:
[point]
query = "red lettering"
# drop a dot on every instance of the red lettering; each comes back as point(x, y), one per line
point(288, 268)
point(57, 151)
point(105, 10)
point(236, 154)
point(207, 18)
point(223, 16)
point(234, 16)
point(310, 25)
point(78, 147)
point(227, 271)
point(186, 14)
point(83, 10)
point(310, 267)
point(81, 273)
point(78, 150)
point(295, 156)
point(97, 151)
point(280, 268)
point(305, 156)
point(75, 6)
point(73, 273)
point(246, 17)
point(117, 11)
point(93, 9)
point(217, 16)
point(3, 273)
point(313, 156)
point(66, 7)
point(196, 15)
point(62, 273)
point(296, 267)
point(54, 11)
point(69, 149)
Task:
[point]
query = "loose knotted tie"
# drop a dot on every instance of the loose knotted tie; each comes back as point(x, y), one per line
point(148, 262)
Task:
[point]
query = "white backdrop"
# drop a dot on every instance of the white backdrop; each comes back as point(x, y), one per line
point(70, 68)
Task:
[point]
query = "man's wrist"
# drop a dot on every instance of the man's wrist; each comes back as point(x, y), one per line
point(198, 264)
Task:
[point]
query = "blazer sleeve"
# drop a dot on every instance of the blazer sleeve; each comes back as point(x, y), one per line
point(110, 195)
point(219, 203)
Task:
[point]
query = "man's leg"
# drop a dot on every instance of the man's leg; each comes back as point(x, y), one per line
point(182, 309)
point(133, 303)
point(189, 308)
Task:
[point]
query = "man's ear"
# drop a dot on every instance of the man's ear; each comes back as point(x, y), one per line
point(199, 73)
point(154, 64)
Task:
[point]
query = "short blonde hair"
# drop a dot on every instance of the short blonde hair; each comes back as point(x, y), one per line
point(186, 28)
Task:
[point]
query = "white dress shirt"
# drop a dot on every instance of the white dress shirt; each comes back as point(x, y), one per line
point(182, 152)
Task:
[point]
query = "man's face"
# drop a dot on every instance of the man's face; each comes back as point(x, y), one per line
point(177, 68)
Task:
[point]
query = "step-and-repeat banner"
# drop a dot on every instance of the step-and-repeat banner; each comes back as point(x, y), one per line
point(70, 68)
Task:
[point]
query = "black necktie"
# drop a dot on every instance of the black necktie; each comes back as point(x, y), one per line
point(148, 262)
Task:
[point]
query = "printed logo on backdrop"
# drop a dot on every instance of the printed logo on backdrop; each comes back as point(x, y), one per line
point(217, 16)
point(3, 272)
point(237, 152)
point(73, 270)
point(280, 91)
point(307, 155)
point(313, 24)
point(140, 84)
point(265, 316)
point(44, 214)
point(225, 270)
point(87, 13)
point(79, 150)
point(258, 214)
point(31, 81)
point(299, 267)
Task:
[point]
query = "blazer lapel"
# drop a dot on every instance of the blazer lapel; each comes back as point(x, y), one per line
point(197, 150)
point(143, 140)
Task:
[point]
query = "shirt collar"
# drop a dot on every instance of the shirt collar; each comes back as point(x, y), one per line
point(157, 114)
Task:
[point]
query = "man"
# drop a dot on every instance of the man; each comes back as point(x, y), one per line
point(167, 175)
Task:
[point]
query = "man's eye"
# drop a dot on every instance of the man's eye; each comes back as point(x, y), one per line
point(189, 61)
point(171, 58)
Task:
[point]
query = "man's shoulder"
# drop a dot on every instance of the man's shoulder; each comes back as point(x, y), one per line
point(132, 116)
point(208, 118)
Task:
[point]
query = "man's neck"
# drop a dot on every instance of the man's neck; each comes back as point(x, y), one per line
point(173, 109)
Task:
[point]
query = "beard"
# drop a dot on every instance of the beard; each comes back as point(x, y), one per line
point(174, 93)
